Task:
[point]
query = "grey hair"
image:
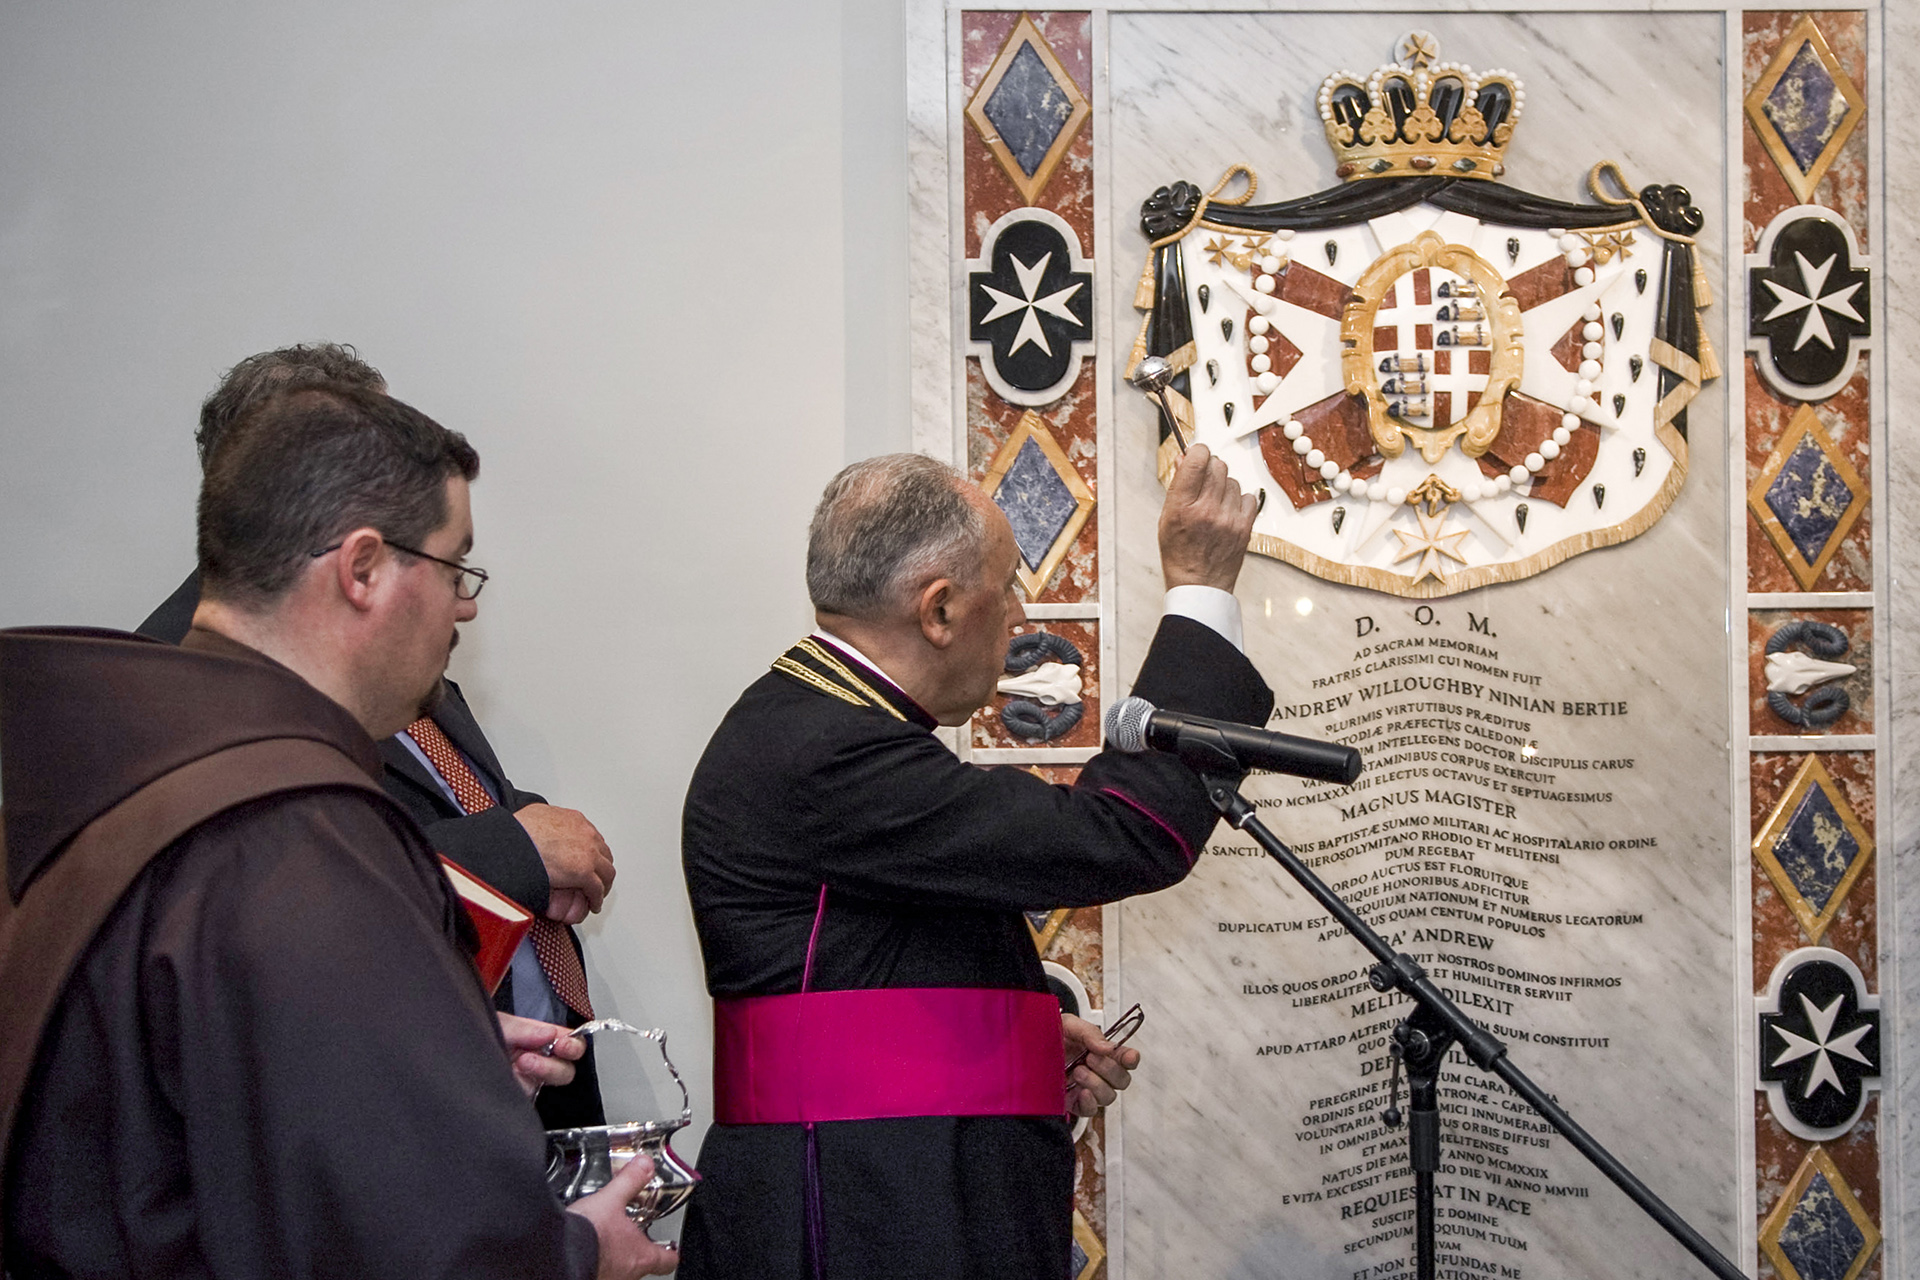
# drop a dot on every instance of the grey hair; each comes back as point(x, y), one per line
point(884, 528)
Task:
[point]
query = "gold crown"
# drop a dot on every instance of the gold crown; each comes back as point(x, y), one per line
point(1420, 117)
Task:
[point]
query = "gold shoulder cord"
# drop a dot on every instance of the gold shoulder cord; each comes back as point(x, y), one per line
point(845, 672)
point(788, 666)
point(861, 694)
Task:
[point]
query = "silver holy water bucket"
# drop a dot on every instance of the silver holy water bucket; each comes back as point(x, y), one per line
point(581, 1161)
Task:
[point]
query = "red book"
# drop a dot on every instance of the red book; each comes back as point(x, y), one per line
point(500, 921)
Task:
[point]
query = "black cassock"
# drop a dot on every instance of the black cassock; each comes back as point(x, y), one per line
point(824, 775)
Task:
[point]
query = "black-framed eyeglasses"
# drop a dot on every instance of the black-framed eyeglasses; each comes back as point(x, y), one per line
point(1116, 1035)
point(468, 582)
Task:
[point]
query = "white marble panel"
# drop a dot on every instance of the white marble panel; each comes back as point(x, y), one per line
point(929, 263)
point(1897, 379)
point(1213, 1156)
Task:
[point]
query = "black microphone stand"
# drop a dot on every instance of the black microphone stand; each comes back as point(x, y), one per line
point(1422, 1039)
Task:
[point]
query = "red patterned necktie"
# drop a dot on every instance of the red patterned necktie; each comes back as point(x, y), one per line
point(550, 940)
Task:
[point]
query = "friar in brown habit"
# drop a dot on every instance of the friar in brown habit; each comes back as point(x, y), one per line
point(239, 1033)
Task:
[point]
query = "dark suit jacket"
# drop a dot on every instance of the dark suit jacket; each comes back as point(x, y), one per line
point(493, 845)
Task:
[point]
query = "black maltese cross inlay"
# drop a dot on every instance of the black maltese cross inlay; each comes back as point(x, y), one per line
point(1819, 1044)
point(1030, 307)
point(1808, 303)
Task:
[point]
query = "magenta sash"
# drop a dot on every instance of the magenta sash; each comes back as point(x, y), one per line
point(878, 1054)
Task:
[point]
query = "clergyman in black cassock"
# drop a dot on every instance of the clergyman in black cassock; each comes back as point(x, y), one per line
point(834, 846)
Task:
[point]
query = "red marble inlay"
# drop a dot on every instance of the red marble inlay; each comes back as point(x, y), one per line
point(1422, 288)
point(1858, 626)
point(1543, 283)
point(1282, 352)
point(1844, 187)
point(1479, 362)
point(1524, 424)
point(1338, 427)
point(1777, 1156)
point(1443, 361)
point(989, 192)
point(1386, 338)
point(1854, 930)
point(990, 420)
point(1845, 418)
point(1423, 337)
point(1304, 287)
point(1567, 350)
point(1561, 477)
point(1443, 406)
point(988, 731)
point(1289, 470)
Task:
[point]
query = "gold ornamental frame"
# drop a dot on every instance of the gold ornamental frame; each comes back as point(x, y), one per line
point(1033, 426)
point(1025, 32)
point(1806, 31)
point(1817, 1161)
point(1813, 921)
point(1043, 937)
point(1482, 423)
point(1089, 1245)
point(1804, 423)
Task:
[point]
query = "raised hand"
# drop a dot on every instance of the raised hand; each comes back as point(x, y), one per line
point(1205, 524)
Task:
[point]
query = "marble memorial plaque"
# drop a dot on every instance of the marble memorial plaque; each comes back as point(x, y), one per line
point(1544, 817)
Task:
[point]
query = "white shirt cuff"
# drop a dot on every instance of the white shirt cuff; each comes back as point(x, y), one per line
point(1210, 607)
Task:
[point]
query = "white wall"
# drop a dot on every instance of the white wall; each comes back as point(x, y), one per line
point(634, 250)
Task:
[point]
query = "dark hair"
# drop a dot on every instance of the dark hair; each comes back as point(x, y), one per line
point(886, 527)
point(285, 369)
point(305, 467)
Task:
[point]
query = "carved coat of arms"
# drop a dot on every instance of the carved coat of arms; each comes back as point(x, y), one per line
point(1439, 381)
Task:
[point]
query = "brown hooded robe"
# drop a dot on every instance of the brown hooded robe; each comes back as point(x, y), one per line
point(272, 1058)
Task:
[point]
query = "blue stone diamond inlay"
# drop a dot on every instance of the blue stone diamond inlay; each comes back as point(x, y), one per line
point(1036, 501)
point(1816, 848)
point(1808, 497)
point(1028, 108)
point(1079, 1259)
point(1806, 106)
point(1820, 1238)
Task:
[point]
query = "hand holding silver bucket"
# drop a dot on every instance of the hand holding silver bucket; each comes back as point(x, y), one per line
point(581, 1161)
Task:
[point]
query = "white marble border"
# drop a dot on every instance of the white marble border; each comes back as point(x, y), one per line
point(1106, 372)
point(1893, 191)
point(930, 214)
point(1740, 819)
point(939, 403)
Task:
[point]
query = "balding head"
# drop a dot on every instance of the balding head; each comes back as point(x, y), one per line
point(885, 528)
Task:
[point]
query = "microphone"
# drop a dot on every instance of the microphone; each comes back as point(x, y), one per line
point(1134, 724)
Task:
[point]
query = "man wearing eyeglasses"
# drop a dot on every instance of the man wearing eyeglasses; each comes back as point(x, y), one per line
point(444, 772)
point(239, 1034)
